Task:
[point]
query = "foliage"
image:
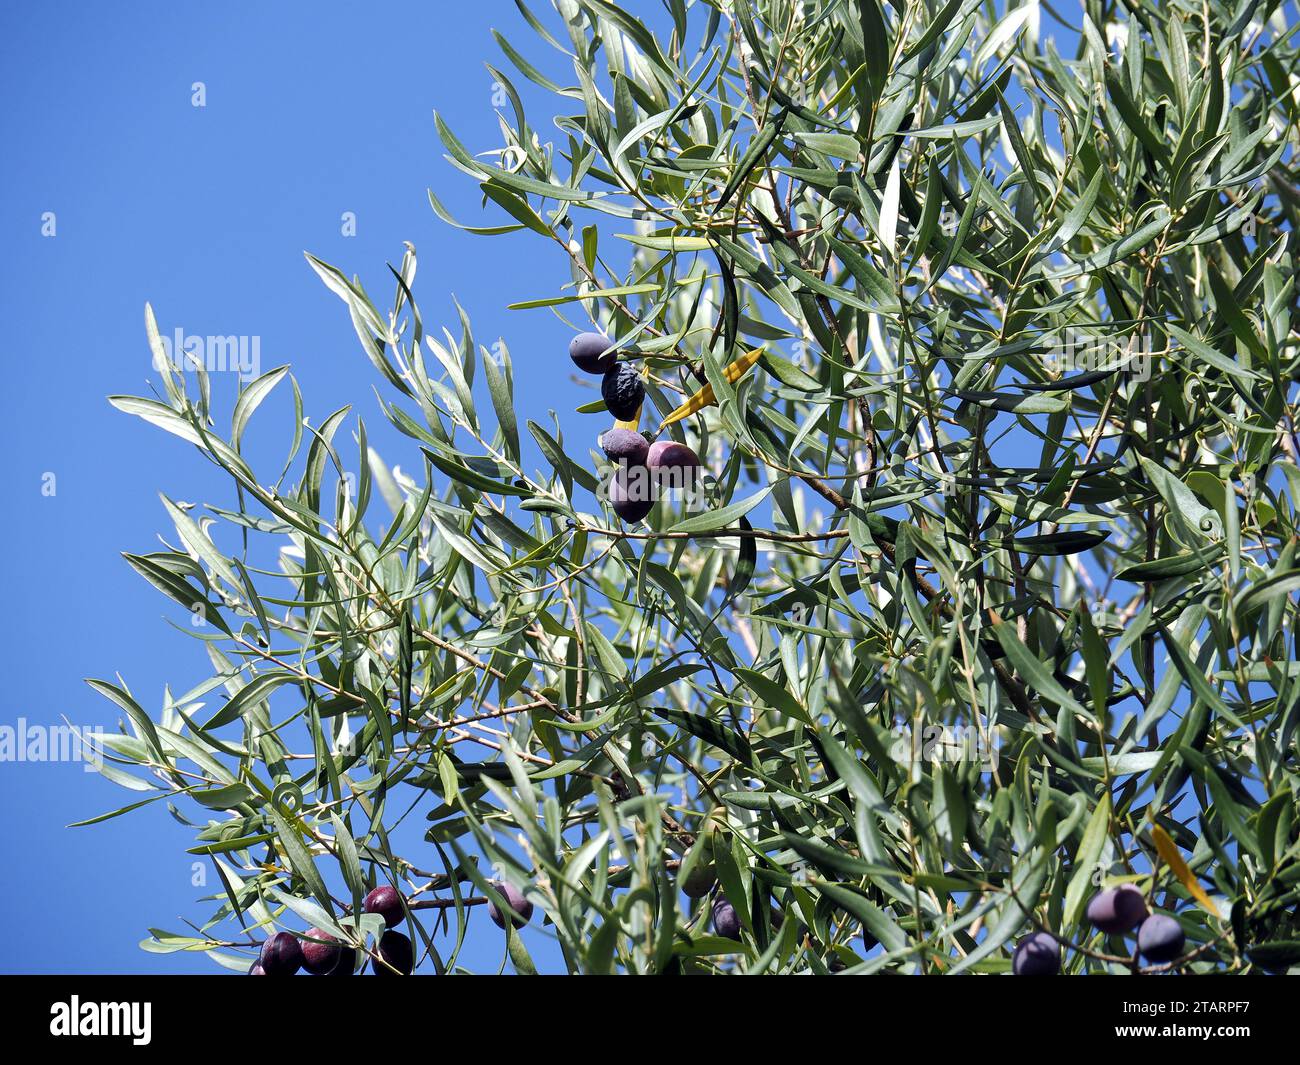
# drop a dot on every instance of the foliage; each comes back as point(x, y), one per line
point(974, 620)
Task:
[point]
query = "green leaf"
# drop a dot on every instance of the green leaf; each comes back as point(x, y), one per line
point(723, 517)
point(593, 294)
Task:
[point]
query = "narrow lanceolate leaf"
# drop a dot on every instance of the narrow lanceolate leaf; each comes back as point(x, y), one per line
point(889, 211)
point(671, 242)
point(299, 858)
point(1170, 855)
point(1080, 213)
point(593, 294)
point(775, 695)
point(723, 517)
point(1114, 253)
point(1012, 24)
point(250, 399)
point(255, 691)
point(733, 372)
point(1085, 861)
point(1037, 676)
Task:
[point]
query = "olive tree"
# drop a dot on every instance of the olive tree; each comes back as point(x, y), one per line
point(979, 627)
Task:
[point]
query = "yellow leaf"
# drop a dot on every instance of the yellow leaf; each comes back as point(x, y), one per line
point(705, 397)
point(633, 423)
point(1172, 858)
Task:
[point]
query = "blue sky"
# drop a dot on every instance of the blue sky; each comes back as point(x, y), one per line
point(312, 110)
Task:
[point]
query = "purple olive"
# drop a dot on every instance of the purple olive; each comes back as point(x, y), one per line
point(1161, 938)
point(622, 391)
point(1038, 954)
point(281, 955)
point(631, 493)
point(624, 446)
point(726, 922)
point(386, 901)
point(669, 454)
point(321, 952)
point(521, 908)
point(256, 969)
point(347, 963)
point(395, 950)
point(1118, 909)
point(673, 465)
point(589, 353)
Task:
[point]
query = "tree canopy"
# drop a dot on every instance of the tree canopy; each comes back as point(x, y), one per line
point(981, 322)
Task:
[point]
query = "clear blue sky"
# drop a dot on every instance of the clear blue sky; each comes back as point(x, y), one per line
point(311, 110)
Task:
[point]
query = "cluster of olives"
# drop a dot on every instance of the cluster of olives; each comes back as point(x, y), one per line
point(396, 954)
point(321, 954)
point(1120, 909)
point(1115, 911)
point(700, 880)
point(642, 469)
point(318, 952)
